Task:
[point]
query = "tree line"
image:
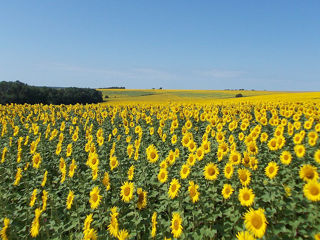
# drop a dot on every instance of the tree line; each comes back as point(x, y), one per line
point(18, 92)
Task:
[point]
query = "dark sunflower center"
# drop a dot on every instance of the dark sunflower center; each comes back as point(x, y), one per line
point(314, 191)
point(271, 169)
point(246, 196)
point(256, 221)
point(192, 192)
point(211, 171)
point(140, 198)
point(176, 224)
point(309, 174)
point(127, 191)
point(95, 197)
point(174, 187)
point(243, 177)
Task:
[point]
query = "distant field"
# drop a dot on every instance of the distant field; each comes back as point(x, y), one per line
point(120, 95)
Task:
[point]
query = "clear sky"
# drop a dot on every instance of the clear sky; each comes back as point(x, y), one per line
point(174, 44)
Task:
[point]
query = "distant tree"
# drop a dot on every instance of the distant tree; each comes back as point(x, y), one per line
point(18, 92)
point(239, 95)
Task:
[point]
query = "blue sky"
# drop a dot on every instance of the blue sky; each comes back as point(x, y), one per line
point(174, 44)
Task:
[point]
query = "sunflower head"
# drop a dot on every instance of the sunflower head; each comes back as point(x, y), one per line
point(271, 170)
point(142, 198)
point(176, 227)
point(163, 175)
point(308, 172)
point(312, 191)
point(228, 170)
point(286, 157)
point(127, 191)
point(174, 188)
point(211, 171)
point(227, 191)
point(246, 197)
point(95, 198)
point(193, 191)
point(184, 172)
point(244, 176)
point(256, 222)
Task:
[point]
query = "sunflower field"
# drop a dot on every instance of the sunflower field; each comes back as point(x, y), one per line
point(211, 170)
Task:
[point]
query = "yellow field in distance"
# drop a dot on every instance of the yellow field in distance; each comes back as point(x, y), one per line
point(166, 96)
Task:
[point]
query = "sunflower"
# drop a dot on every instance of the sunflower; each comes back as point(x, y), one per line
point(130, 150)
point(174, 188)
point(206, 146)
point(154, 224)
point(286, 157)
point(130, 173)
point(246, 159)
point(308, 172)
point(44, 180)
point(176, 228)
point(95, 197)
point(272, 144)
point(151, 131)
point(193, 191)
point(299, 150)
point(185, 140)
point(18, 176)
point(211, 171)
point(245, 235)
point(33, 197)
point(192, 146)
point(113, 227)
point(163, 175)
point(264, 137)
point(184, 172)
point(200, 153)
point(244, 176)
point(69, 150)
point(3, 234)
point(228, 170)
point(246, 196)
point(113, 162)
point(93, 160)
point(44, 200)
point(174, 139)
point(72, 168)
point(142, 198)
point(163, 164)
point(317, 156)
point(36, 160)
point(152, 154)
point(188, 124)
point(106, 181)
point(127, 191)
point(235, 158)
point(227, 191)
point(171, 157)
point(70, 199)
point(312, 191)
point(62, 165)
point(317, 236)
point(252, 148)
point(256, 222)
point(192, 159)
point(271, 170)
point(123, 234)
point(34, 231)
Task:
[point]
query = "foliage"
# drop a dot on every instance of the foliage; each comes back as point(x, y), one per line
point(17, 92)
